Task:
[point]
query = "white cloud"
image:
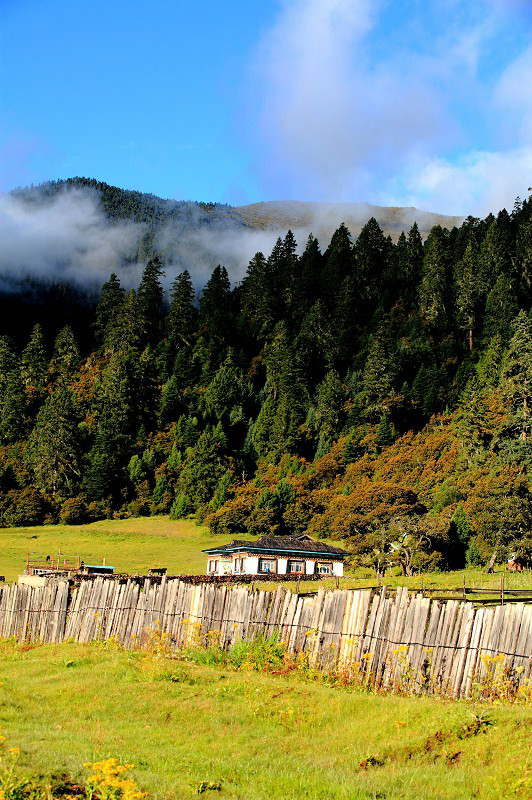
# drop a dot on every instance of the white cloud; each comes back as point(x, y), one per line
point(345, 119)
point(513, 98)
point(68, 238)
point(330, 116)
point(478, 182)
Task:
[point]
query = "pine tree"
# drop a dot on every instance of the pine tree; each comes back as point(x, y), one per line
point(474, 423)
point(516, 381)
point(255, 298)
point(34, 360)
point(54, 451)
point(331, 396)
point(380, 369)
point(386, 433)
point(501, 309)
point(205, 465)
point(150, 297)
point(467, 292)
point(181, 321)
point(215, 300)
point(415, 256)
point(12, 409)
point(493, 256)
point(12, 404)
point(127, 331)
point(65, 357)
point(371, 256)
point(338, 263)
point(111, 298)
point(433, 290)
point(307, 278)
point(117, 409)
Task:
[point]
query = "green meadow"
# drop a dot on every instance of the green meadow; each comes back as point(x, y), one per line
point(137, 544)
point(195, 729)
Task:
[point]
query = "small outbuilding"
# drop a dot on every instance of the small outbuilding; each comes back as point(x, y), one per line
point(276, 555)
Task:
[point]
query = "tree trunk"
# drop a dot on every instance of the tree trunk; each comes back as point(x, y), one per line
point(491, 565)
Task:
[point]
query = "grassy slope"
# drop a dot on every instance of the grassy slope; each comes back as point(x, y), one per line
point(130, 545)
point(263, 737)
point(135, 545)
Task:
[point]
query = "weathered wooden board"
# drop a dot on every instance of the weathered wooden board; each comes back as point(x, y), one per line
point(392, 639)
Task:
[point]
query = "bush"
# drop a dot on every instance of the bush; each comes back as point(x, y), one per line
point(21, 507)
point(99, 509)
point(74, 512)
point(140, 507)
point(473, 554)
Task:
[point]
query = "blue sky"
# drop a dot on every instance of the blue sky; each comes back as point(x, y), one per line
point(410, 102)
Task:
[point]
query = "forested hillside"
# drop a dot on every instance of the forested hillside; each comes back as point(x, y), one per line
point(368, 390)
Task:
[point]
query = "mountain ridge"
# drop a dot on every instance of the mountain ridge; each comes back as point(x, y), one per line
point(318, 217)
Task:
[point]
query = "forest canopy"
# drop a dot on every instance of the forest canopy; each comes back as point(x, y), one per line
point(373, 391)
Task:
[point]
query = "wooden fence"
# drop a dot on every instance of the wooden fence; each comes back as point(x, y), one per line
point(390, 638)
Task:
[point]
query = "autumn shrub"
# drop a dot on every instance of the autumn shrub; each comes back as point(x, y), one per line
point(74, 512)
point(99, 509)
point(21, 507)
point(140, 507)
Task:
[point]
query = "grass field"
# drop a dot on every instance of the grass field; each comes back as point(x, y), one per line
point(135, 545)
point(130, 545)
point(253, 736)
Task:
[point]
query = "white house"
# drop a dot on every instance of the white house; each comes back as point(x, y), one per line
point(278, 555)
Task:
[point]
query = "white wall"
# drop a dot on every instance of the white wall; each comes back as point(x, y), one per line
point(251, 565)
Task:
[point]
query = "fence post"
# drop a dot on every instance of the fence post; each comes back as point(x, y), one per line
point(502, 590)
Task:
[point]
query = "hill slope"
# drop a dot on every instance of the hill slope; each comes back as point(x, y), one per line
point(323, 218)
point(278, 215)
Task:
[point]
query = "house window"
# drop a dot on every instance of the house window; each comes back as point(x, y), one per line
point(324, 569)
point(267, 565)
point(238, 565)
point(213, 566)
point(297, 567)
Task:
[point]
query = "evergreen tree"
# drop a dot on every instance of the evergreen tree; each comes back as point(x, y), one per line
point(516, 382)
point(54, 451)
point(307, 279)
point(371, 257)
point(433, 290)
point(204, 467)
point(181, 321)
point(331, 397)
point(128, 330)
point(12, 404)
point(12, 409)
point(338, 263)
point(65, 357)
point(380, 369)
point(111, 298)
point(467, 292)
point(501, 309)
point(34, 361)
point(386, 433)
point(117, 410)
point(415, 257)
point(256, 300)
point(150, 298)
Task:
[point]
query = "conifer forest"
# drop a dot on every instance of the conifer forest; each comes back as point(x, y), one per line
point(369, 391)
